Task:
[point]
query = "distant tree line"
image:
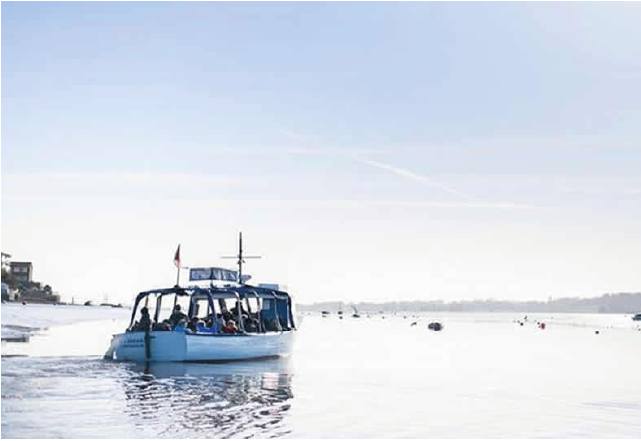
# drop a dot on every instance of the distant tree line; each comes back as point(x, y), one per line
point(620, 303)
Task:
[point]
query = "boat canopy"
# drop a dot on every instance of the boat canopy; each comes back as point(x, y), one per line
point(275, 304)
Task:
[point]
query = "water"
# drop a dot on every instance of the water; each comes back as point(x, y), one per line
point(482, 376)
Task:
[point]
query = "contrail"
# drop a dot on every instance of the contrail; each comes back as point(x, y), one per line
point(409, 174)
point(419, 178)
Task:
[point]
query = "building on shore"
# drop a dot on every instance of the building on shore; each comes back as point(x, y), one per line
point(22, 271)
point(18, 283)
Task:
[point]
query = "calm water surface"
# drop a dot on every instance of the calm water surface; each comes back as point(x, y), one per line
point(482, 376)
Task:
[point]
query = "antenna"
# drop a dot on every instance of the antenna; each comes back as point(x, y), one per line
point(240, 257)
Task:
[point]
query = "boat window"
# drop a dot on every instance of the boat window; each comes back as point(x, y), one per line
point(283, 313)
point(268, 316)
point(201, 308)
point(253, 304)
point(167, 306)
point(226, 304)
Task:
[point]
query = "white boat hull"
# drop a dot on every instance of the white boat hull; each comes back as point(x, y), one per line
point(182, 346)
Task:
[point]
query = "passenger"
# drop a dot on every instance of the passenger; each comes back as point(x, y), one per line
point(234, 310)
point(145, 321)
point(162, 326)
point(220, 322)
point(251, 324)
point(193, 324)
point(176, 316)
point(230, 327)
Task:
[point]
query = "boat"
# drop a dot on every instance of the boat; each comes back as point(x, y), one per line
point(636, 317)
point(272, 337)
point(355, 315)
point(263, 316)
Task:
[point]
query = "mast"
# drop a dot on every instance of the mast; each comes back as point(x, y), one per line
point(240, 257)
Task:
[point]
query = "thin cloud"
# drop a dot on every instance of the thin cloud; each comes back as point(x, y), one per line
point(114, 184)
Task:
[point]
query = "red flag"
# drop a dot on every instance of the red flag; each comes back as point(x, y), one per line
point(177, 257)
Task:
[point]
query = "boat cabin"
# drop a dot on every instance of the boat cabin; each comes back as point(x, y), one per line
point(210, 309)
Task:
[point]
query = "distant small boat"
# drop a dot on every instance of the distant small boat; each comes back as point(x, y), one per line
point(636, 317)
point(355, 315)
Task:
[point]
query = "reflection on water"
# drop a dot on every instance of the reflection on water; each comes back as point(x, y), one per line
point(230, 400)
point(176, 400)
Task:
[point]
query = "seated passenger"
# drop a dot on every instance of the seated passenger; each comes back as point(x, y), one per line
point(230, 327)
point(251, 325)
point(202, 327)
point(193, 324)
point(145, 321)
point(176, 316)
point(234, 310)
point(162, 326)
point(220, 322)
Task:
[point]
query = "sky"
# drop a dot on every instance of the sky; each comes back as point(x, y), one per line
point(367, 151)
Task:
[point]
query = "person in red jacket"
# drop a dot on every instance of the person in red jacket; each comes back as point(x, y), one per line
point(230, 327)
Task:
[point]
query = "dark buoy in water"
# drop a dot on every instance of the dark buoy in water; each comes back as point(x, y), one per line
point(542, 325)
point(521, 323)
point(413, 324)
point(24, 303)
point(596, 332)
point(435, 326)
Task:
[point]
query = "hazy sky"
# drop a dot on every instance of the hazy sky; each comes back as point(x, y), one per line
point(368, 151)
